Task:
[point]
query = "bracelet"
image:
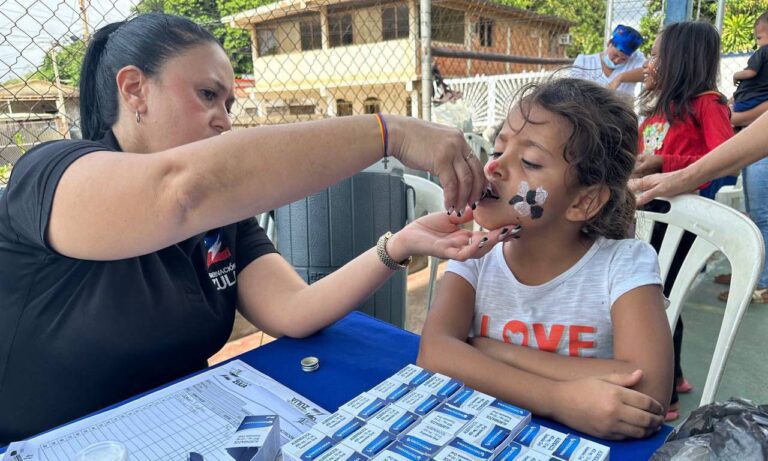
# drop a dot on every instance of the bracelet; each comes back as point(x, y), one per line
point(381, 251)
point(384, 133)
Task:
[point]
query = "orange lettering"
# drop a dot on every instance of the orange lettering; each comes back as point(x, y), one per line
point(514, 327)
point(555, 334)
point(484, 325)
point(574, 339)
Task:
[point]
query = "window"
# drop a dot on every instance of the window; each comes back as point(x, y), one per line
point(267, 42)
point(394, 22)
point(447, 25)
point(372, 106)
point(340, 32)
point(301, 109)
point(311, 36)
point(485, 31)
point(343, 108)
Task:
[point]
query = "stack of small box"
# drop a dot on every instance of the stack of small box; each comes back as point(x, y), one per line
point(417, 415)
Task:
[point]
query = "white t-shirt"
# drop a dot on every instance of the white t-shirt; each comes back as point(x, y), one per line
point(570, 314)
point(588, 67)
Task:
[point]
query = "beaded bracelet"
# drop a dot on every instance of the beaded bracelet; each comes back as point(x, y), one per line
point(384, 133)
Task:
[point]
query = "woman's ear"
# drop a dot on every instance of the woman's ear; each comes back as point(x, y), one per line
point(587, 203)
point(132, 87)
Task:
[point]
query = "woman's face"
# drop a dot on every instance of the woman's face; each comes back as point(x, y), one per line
point(615, 56)
point(189, 99)
point(527, 173)
point(650, 66)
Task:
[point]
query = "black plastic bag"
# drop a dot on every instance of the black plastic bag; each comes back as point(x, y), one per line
point(732, 430)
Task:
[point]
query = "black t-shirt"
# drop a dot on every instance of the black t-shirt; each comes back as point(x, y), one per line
point(757, 86)
point(76, 335)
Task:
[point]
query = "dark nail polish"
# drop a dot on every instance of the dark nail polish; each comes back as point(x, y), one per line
point(481, 244)
point(458, 213)
point(504, 231)
point(474, 206)
point(485, 239)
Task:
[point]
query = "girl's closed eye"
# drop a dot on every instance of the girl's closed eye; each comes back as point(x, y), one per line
point(530, 165)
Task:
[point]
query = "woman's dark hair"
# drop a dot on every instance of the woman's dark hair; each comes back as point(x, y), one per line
point(688, 62)
point(146, 41)
point(602, 148)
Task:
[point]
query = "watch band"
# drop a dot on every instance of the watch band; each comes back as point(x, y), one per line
point(381, 251)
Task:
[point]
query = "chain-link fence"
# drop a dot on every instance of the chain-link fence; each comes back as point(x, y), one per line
point(307, 59)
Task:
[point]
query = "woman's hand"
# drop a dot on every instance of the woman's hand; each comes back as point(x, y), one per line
point(442, 151)
point(652, 186)
point(647, 164)
point(442, 235)
point(606, 407)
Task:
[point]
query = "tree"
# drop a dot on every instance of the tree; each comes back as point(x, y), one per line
point(208, 13)
point(69, 58)
point(588, 16)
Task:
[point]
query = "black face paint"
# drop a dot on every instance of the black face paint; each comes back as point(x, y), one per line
point(527, 205)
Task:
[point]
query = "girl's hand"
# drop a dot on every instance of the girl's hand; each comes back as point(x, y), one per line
point(441, 235)
point(647, 164)
point(442, 151)
point(606, 407)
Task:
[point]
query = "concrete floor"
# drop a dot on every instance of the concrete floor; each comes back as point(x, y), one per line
point(746, 372)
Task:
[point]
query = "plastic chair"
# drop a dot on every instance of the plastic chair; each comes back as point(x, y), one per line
point(480, 146)
point(424, 197)
point(267, 222)
point(733, 196)
point(716, 227)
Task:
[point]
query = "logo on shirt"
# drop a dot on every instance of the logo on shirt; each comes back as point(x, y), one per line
point(572, 340)
point(217, 252)
point(653, 137)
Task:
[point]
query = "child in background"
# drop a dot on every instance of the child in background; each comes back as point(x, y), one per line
point(686, 118)
point(566, 316)
point(753, 81)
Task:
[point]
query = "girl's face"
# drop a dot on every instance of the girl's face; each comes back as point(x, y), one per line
point(761, 34)
point(617, 57)
point(527, 173)
point(189, 99)
point(650, 66)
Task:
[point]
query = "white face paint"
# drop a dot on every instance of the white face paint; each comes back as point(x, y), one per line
point(526, 203)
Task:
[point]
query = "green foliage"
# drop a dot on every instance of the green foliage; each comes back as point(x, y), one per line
point(651, 24)
point(69, 58)
point(588, 16)
point(208, 13)
point(5, 173)
point(737, 33)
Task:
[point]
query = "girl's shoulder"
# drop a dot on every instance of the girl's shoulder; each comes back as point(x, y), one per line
point(710, 97)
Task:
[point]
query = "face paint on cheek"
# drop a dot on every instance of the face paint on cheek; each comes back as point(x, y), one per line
point(529, 202)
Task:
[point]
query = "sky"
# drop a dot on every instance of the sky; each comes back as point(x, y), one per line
point(28, 28)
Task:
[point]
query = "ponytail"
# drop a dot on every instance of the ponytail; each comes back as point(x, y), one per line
point(147, 41)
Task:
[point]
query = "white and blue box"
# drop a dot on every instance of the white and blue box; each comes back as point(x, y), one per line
point(459, 450)
point(364, 406)
point(395, 420)
point(540, 438)
point(419, 402)
point(506, 415)
point(470, 400)
point(447, 418)
point(339, 425)
point(516, 452)
point(575, 448)
point(398, 451)
point(441, 386)
point(307, 447)
point(369, 440)
point(426, 438)
point(341, 453)
point(485, 434)
point(412, 375)
point(390, 390)
point(256, 439)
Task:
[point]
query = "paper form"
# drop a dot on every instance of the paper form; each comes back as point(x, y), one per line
point(199, 415)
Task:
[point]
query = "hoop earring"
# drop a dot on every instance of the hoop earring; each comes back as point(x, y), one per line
point(138, 117)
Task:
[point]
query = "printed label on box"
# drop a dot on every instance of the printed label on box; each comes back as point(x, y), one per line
point(307, 446)
point(401, 452)
point(484, 434)
point(339, 425)
point(364, 406)
point(426, 438)
point(459, 450)
point(395, 420)
point(539, 438)
point(341, 453)
point(390, 390)
point(418, 402)
point(257, 438)
point(441, 386)
point(516, 452)
point(470, 401)
point(506, 415)
point(369, 440)
point(448, 418)
point(577, 449)
point(412, 375)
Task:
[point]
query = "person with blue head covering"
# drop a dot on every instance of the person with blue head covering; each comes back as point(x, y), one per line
point(618, 66)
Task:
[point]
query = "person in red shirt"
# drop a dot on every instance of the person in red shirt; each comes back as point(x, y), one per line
point(686, 117)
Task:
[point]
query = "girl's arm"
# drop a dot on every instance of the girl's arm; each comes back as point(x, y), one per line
point(641, 340)
point(273, 296)
point(601, 406)
point(113, 205)
point(630, 76)
point(748, 146)
point(749, 116)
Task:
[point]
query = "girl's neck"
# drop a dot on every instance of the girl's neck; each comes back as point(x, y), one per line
point(537, 259)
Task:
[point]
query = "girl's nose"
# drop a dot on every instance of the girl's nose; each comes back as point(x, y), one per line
point(491, 166)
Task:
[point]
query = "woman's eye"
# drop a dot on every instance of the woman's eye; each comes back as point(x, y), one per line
point(208, 95)
point(530, 165)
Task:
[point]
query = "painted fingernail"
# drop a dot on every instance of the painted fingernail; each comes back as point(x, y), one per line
point(504, 231)
point(481, 244)
point(450, 210)
point(458, 213)
point(485, 239)
point(474, 206)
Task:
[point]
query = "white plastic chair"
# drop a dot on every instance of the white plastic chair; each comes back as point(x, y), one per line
point(733, 196)
point(717, 228)
point(426, 197)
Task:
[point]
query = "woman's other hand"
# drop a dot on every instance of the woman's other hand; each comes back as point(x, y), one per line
point(657, 185)
point(442, 151)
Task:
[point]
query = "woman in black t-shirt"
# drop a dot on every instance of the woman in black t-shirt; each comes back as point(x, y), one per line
point(121, 271)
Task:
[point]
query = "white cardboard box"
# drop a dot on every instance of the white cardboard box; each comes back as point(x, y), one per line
point(369, 440)
point(339, 425)
point(306, 447)
point(256, 439)
point(395, 420)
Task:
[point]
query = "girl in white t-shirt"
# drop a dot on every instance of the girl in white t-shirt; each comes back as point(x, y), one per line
point(566, 316)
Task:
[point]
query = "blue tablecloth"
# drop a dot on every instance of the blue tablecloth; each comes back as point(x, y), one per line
point(358, 352)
